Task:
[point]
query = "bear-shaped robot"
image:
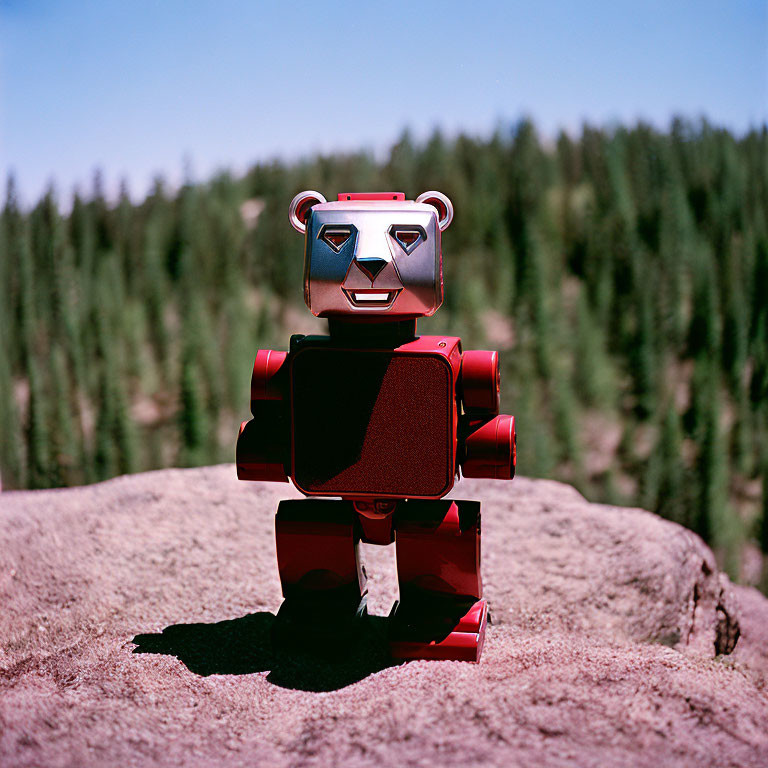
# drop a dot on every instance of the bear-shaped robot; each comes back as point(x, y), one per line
point(382, 419)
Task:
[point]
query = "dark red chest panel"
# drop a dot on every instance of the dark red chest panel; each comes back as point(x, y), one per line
point(374, 423)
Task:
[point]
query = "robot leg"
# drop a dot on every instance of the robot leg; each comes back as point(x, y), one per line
point(441, 613)
point(322, 579)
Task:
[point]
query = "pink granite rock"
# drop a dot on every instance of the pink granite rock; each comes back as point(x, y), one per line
point(606, 649)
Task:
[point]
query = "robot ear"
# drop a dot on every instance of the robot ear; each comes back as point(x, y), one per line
point(299, 209)
point(443, 205)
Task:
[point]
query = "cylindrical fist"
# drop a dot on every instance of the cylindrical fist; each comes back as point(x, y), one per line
point(258, 456)
point(480, 382)
point(489, 451)
point(270, 376)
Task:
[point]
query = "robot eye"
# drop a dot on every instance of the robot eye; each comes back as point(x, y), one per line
point(336, 236)
point(407, 237)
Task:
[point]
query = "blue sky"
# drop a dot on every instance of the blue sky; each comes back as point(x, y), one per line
point(135, 87)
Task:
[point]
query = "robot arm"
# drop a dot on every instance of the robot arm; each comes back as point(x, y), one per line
point(263, 445)
point(487, 439)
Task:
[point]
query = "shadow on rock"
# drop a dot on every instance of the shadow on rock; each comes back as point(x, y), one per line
point(245, 645)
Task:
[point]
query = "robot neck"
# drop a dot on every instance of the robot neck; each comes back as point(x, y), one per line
point(367, 333)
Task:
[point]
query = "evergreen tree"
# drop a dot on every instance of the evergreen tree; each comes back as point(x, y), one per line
point(672, 500)
point(593, 377)
point(711, 472)
point(63, 441)
point(735, 323)
point(642, 352)
point(37, 437)
point(11, 470)
point(11, 466)
point(193, 424)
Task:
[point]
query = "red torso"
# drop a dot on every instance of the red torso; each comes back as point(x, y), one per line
point(372, 421)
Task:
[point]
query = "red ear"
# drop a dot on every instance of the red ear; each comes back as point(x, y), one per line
point(441, 204)
point(300, 207)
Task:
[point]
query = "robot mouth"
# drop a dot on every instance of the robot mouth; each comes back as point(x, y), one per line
point(371, 297)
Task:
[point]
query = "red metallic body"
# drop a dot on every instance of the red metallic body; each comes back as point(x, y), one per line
point(445, 352)
point(399, 196)
point(438, 549)
point(387, 420)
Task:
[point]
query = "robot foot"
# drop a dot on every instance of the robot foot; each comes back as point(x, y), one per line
point(318, 625)
point(438, 628)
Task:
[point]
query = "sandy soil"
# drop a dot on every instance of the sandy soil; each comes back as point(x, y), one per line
point(135, 630)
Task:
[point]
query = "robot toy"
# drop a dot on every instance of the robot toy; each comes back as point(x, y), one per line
point(374, 424)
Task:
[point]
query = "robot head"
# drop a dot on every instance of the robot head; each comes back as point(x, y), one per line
point(372, 254)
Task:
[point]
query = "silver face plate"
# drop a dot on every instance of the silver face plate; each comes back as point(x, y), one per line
point(366, 257)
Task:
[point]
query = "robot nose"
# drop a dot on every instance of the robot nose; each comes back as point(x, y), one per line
point(371, 266)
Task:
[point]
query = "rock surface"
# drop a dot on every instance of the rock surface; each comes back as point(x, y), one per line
point(136, 619)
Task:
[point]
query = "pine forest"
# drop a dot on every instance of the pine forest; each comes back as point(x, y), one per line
point(621, 272)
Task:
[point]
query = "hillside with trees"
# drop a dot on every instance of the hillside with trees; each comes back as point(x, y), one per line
point(622, 273)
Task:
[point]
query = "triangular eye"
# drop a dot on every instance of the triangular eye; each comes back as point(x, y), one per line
point(407, 237)
point(336, 236)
